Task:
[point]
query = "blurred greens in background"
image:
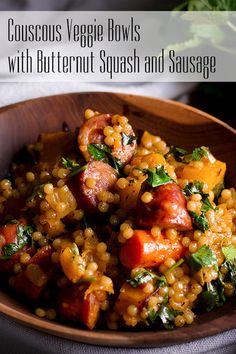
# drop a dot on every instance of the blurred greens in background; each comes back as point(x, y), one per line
point(217, 99)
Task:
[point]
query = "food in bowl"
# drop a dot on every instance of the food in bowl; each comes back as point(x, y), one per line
point(106, 229)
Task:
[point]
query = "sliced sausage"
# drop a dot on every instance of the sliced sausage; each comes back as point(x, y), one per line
point(7, 266)
point(105, 177)
point(73, 307)
point(167, 209)
point(91, 132)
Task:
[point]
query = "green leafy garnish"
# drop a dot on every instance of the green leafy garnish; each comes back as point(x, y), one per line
point(213, 296)
point(204, 257)
point(229, 252)
point(230, 262)
point(196, 155)
point(164, 316)
point(177, 264)
point(176, 152)
point(73, 166)
point(217, 190)
point(157, 176)
point(103, 152)
point(200, 221)
point(143, 276)
point(127, 139)
point(23, 233)
point(231, 275)
point(207, 5)
point(38, 191)
point(194, 188)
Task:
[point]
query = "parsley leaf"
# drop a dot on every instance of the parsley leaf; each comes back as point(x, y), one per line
point(127, 139)
point(213, 296)
point(164, 316)
point(230, 262)
point(177, 264)
point(217, 190)
point(204, 257)
point(176, 152)
point(143, 276)
point(229, 252)
point(157, 176)
point(194, 188)
point(103, 152)
point(196, 155)
point(24, 233)
point(231, 275)
point(37, 192)
point(200, 221)
point(73, 166)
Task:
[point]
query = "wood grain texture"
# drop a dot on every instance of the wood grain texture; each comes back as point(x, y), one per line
point(176, 123)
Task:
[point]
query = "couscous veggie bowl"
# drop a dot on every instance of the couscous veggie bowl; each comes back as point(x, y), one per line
point(118, 216)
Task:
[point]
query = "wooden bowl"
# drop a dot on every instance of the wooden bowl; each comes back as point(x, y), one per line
point(177, 124)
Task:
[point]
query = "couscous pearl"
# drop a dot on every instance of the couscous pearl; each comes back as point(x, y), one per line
point(108, 130)
point(36, 236)
point(40, 312)
point(88, 232)
point(51, 314)
point(122, 183)
point(90, 183)
point(101, 247)
point(128, 233)
point(109, 140)
point(24, 258)
point(88, 113)
point(226, 194)
point(30, 177)
point(132, 310)
point(148, 288)
point(146, 197)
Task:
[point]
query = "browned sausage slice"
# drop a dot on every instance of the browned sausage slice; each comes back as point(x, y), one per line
point(105, 178)
point(72, 305)
point(167, 209)
point(91, 132)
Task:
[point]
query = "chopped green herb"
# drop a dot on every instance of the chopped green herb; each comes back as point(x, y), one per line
point(143, 276)
point(99, 151)
point(196, 155)
point(127, 139)
point(213, 296)
point(231, 275)
point(38, 191)
point(200, 221)
point(164, 316)
point(177, 264)
point(103, 152)
point(204, 257)
point(229, 252)
point(157, 176)
point(194, 188)
point(217, 190)
point(73, 166)
point(86, 280)
point(176, 152)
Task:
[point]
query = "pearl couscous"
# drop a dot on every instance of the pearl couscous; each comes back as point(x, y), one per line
point(104, 230)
